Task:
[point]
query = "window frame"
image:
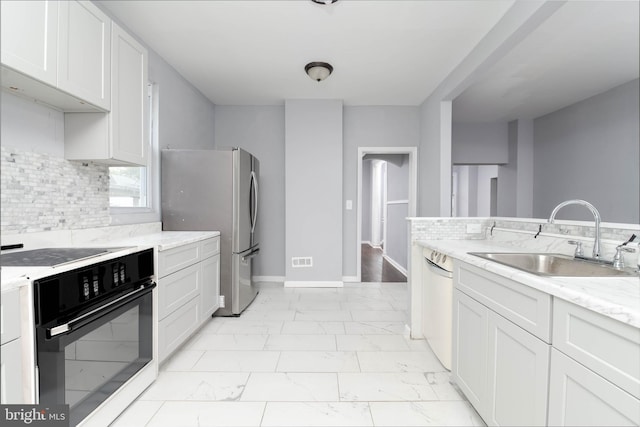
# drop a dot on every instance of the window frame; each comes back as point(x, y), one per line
point(151, 212)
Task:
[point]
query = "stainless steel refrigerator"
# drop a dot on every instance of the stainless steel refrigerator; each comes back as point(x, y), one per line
point(217, 190)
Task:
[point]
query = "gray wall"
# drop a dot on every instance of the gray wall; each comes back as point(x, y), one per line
point(260, 130)
point(469, 188)
point(590, 150)
point(434, 157)
point(479, 143)
point(185, 115)
point(515, 179)
point(483, 189)
point(313, 188)
point(370, 126)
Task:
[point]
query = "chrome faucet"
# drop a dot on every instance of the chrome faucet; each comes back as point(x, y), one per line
point(596, 217)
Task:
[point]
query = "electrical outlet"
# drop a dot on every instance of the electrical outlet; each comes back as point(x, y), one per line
point(221, 301)
point(474, 228)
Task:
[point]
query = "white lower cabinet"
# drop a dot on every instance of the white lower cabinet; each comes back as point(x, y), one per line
point(523, 358)
point(595, 369)
point(500, 367)
point(11, 372)
point(174, 329)
point(580, 397)
point(10, 348)
point(188, 291)
point(210, 297)
point(469, 358)
point(517, 379)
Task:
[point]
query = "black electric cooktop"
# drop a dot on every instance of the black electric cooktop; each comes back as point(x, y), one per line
point(49, 257)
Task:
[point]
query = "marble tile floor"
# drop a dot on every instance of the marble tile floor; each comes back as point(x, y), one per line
point(305, 357)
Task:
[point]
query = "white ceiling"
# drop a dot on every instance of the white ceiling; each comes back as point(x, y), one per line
point(585, 48)
point(242, 52)
point(387, 52)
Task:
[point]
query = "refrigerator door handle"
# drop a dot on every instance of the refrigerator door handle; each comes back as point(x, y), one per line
point(251, 254)
point(254, 180)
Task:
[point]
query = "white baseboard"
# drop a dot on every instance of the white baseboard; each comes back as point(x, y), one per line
point(278, 279)
point(366, 242)
point(395, 264)
point(350, 279)
point(312, 284)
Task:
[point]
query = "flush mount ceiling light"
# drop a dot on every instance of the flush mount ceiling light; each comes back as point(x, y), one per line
point(318, 71)
point(325, 2)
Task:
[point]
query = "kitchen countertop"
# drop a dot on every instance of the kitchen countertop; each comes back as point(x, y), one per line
point(614, 297)
point(14, 277)
point(166, 240)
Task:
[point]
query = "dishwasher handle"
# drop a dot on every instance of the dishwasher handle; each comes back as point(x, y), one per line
point(436, 269)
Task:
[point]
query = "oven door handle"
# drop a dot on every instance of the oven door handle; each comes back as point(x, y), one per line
point(70, 325)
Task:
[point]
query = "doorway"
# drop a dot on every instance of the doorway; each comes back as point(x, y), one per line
point(387, 178)
point(474, 190)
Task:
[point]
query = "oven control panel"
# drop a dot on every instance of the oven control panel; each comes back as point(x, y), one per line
point(73, 291)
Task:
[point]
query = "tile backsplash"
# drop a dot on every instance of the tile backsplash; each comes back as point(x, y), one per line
point(41, 192)
point(522, 233)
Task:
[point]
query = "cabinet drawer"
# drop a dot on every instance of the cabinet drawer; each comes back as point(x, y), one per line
point(177, 288)
point(177, 327)
point(526, 307)
point(10, 316)
point(210, 247)
point(178, 258)
point(604, 345)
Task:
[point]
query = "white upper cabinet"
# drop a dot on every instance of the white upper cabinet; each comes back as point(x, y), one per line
point(84, 54)
point(129, 98)
point(30, 37)
point(119, 137)
point(57, 52)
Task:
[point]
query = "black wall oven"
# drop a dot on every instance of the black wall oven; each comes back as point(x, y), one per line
point(94, 331)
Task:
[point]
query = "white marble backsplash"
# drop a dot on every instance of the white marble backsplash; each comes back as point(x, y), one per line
point(42, 192)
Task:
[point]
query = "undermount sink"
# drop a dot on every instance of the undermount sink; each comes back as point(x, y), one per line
point(553, 264)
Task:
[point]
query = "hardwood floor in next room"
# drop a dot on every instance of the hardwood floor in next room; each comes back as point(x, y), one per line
point(377, 269)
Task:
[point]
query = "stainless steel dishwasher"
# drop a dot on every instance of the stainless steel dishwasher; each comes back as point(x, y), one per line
point(437, 305)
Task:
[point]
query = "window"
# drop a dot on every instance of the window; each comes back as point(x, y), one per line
point(133, 191)
point(128, 187)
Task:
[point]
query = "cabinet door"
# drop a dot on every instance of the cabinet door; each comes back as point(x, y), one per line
point(130, 109)
point(174, 329)
point(176, 289)
point(84, 52)
point(469, 364)
point(30, 38)
point(11, 373)
point(517, 374)
point(210, 286)
point(580, 397)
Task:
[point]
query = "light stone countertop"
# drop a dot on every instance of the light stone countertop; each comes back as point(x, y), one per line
point(14, 277)
point(614, 297)
point(165, 240)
